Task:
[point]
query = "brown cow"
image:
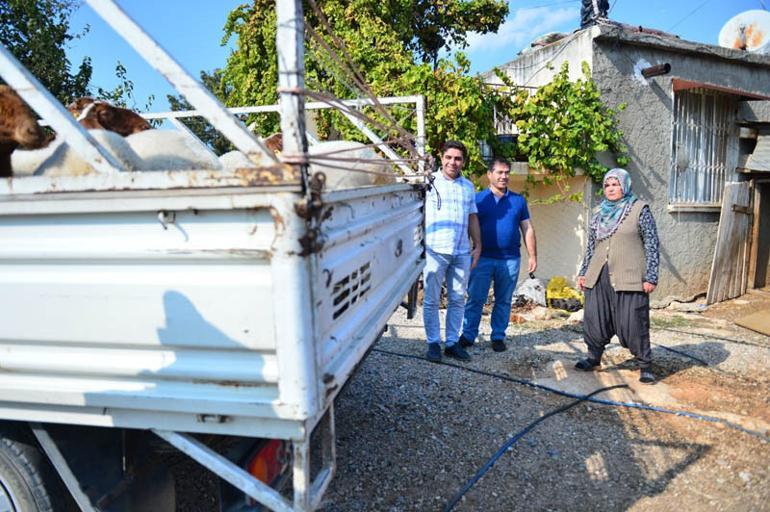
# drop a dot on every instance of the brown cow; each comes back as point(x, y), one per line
point(274, 142)
point(99, 114)
point(18, 127)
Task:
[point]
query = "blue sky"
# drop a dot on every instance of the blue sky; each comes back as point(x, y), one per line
point(192, 31)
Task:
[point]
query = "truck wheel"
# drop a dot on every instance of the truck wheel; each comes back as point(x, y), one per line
point(24, 476)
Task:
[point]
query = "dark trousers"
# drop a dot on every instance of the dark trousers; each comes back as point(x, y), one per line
point(625, 314)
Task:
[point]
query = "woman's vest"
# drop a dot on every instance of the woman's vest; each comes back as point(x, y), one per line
point(623, 252)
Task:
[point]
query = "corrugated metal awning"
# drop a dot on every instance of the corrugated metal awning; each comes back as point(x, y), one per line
point(759, 160)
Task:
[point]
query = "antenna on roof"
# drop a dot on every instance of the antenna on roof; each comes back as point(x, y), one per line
point(749, 30)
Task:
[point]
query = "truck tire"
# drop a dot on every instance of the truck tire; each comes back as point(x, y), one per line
point(27, 480)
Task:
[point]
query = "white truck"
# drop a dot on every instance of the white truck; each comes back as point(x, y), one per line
point(218, 313)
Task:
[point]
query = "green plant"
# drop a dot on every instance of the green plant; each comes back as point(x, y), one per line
point(391, 45)
point(563, 126)
point(37, 32)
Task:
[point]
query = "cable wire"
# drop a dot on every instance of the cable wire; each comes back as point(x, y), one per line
point(349, 64)
point(630, 405)
point(682, 353)
point(491, 462)
point(729, 340)
point(550, 4)
point(687, 16)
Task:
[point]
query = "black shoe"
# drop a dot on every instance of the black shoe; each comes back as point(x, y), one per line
point(457, 352)
point(646, 376)
point(465, 343)
point(498, 346)
point(587, 364)
point(434, 353)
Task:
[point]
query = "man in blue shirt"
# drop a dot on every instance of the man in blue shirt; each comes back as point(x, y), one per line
point(502, 214)
point(450, 218)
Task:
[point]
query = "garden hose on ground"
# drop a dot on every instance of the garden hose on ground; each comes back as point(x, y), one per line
point(491, 462)
point(682, 353)
point(630, 405)
point(730, 340)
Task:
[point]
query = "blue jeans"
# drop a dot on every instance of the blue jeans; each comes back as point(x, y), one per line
point(455, 269)
point(504, 273)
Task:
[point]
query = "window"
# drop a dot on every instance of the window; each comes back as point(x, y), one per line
point(703, 147)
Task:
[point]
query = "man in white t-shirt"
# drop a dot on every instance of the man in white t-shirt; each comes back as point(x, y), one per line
point(450, 218)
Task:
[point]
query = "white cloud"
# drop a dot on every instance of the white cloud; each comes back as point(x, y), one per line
point(521, 27)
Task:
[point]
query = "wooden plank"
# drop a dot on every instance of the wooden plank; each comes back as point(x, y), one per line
point(745, 240)
point(728, 270)
point(754, 239)
point(716, 278)
point(740, 236)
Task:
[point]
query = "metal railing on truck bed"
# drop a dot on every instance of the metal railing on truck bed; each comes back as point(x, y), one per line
point(225, 302)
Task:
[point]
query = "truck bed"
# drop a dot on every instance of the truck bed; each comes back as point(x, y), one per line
point(190, 302)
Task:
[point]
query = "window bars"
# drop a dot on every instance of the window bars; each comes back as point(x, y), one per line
point(703, 147)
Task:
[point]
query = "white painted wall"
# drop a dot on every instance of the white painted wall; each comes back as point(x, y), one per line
point(558, 228)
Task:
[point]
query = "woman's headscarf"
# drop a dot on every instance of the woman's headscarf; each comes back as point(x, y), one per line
point(611, 213)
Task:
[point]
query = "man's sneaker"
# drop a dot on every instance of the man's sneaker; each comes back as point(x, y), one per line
point(457, 352)
point(587, 364)
point(498, 345)
point(465, 342)
point(646, 376)
point(434, 353)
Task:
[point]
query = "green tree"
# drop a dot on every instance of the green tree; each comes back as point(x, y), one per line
point(199, 126)
point(425, 27)
point(37, 32)
point(393, 45)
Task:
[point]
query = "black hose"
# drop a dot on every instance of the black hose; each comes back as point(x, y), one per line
point(630, 405)
point(729, 340)
point(682, 353)
point(491, 462)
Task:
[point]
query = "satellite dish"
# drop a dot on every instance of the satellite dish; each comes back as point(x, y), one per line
point(749, 31)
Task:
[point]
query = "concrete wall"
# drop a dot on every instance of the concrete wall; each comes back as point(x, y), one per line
point(537, 67)
point(687, 237)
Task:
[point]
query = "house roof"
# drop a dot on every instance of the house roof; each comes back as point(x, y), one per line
point(614, 33)
point(640, 36)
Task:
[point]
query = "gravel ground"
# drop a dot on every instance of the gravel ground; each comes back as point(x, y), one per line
point(411, 433)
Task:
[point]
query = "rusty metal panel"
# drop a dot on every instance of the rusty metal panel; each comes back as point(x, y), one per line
point(703, 146)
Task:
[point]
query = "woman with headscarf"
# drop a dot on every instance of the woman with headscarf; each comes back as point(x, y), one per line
point(619, 271)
